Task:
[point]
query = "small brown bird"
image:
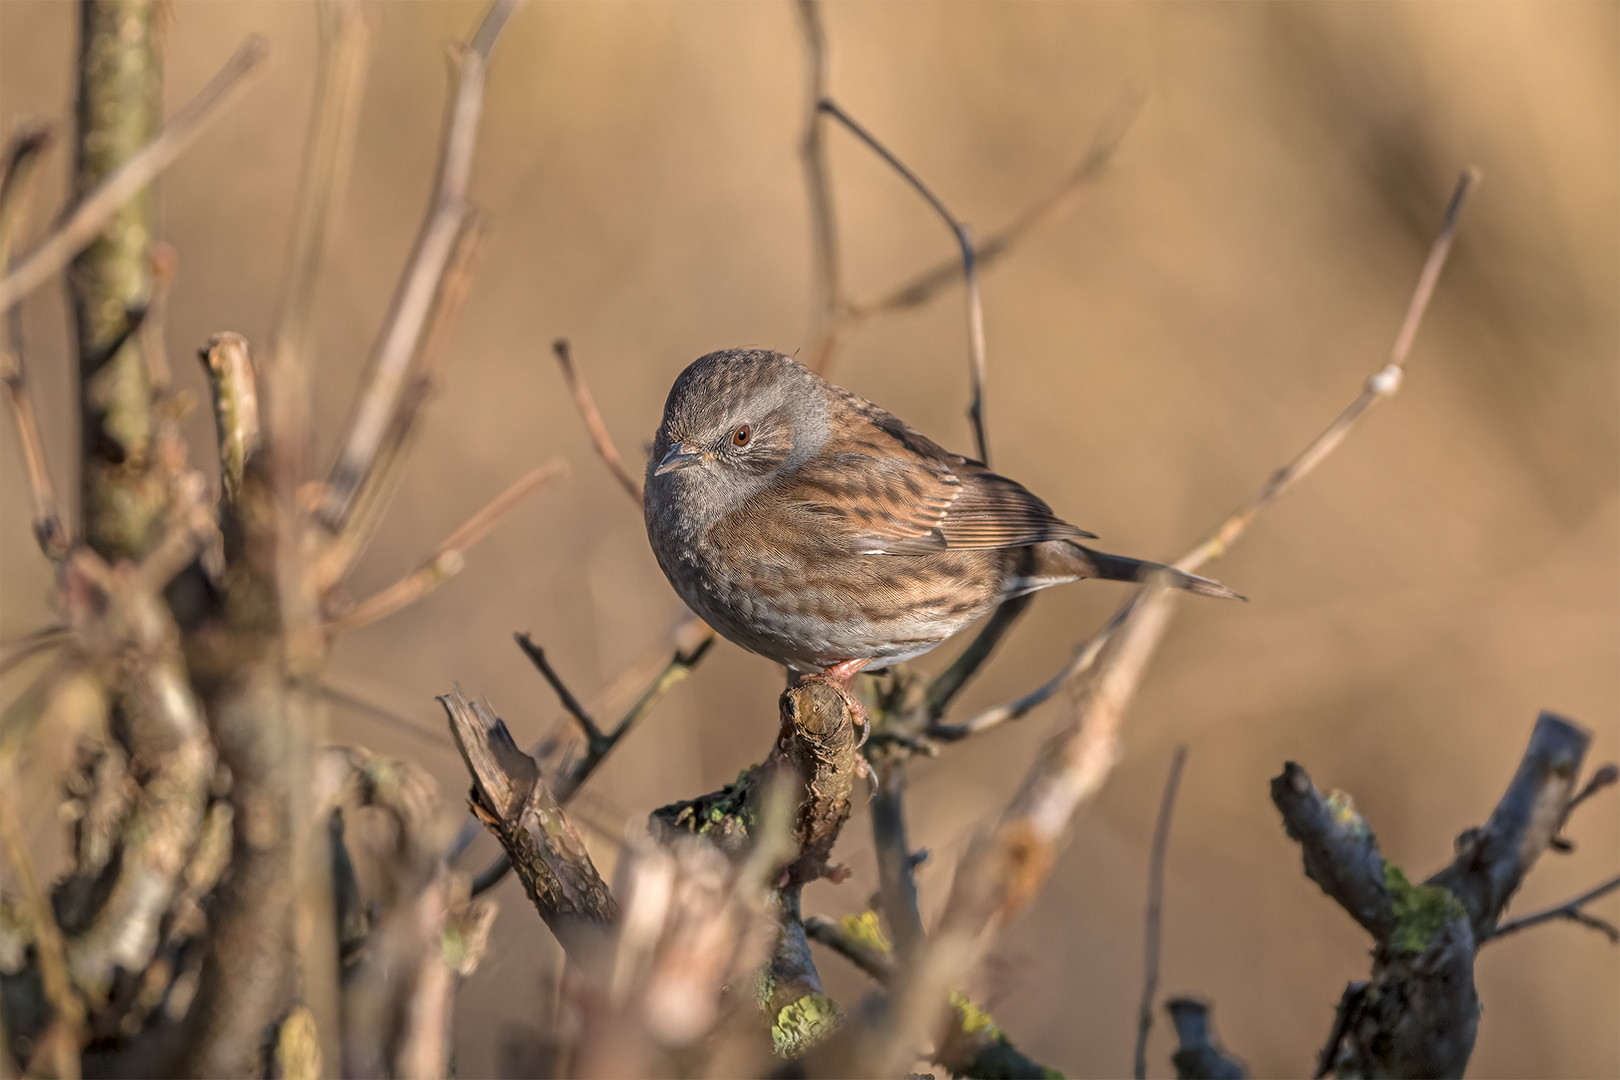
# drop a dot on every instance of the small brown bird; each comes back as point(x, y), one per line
point(809, 526)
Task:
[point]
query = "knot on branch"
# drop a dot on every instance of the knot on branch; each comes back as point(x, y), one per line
point(814, 759)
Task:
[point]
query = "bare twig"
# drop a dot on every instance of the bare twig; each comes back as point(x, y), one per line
point(345, 692)
point(235, 391)
point(600, 438)
point(872, 957)
point(1570, 909)
point(679, 667)
point(424, 273)
point(943, 690)
point(96, 209)
point(164, 266)
point(964, 238)
point(47, 940)
point(537, 656)
point(1093, 165)
point(1199, 1056)
point(512, 799)
point(44, 639)
point(450, 558)
point(48, 528)
point(1155, 908)
point(374, 496)
point(828, 304)
point(1603, 777)
point(1381, 384)
point(897, 884)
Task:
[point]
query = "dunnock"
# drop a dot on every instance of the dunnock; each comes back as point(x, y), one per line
point(808, 525)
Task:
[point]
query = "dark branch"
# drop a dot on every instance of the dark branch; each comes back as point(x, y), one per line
point(1571, 909)
point(1155, 908)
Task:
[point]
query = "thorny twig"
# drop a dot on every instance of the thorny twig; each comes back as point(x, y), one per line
point(423, 277)
point(1155, 908)
point(95, 210)
point(600, 438)
point(1381, 384)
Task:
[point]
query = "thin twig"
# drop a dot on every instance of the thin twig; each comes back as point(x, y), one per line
point(1155, 908)
point(970, 274)
point(1093, 165)
point(828, 305)
point(164, 266)
point(897, 883)
point(347, 693)
point(600, 438)
point(679, 667)
point(1381, 384)
point(414, 297)
point(371, 502)
point(15, 652)
point(450, 558)
point(878, 963)
point(1569, 909)
point(47, 939)
point(85, 223)
point(537, 657)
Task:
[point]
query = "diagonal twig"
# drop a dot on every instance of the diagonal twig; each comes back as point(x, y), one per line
point(450, 558)
point(537, 657)
point(600, 438)
point(828, 308)
point(86, 221)
point(1383, 383)
point(1570, 909)
point(970, 274)
point(1155, 908)
point(414, 297)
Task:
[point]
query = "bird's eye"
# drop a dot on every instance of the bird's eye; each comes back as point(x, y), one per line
point(741, 436)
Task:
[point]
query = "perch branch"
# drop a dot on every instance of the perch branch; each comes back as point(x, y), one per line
point(450, 558)
point(512, 800)
point(600, 438)
point(1381, 384)
point(422, 279)
point(1571, 909)
point(1155, 908)
point(970, 274)
point(98, 207)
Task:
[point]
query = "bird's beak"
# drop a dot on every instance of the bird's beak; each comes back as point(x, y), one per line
point(679, 457)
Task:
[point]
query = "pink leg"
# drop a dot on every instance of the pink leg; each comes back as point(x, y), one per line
point(839, 677)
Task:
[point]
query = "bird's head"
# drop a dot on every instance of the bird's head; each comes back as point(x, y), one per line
point(734, 420)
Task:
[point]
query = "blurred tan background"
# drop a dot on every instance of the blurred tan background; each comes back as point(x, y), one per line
point(1153, 355)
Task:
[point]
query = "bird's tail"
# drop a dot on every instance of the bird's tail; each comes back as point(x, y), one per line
point(1100, 564)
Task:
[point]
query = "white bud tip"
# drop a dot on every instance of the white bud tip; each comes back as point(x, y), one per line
point(1386, 381)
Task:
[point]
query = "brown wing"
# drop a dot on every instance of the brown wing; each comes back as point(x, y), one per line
point(883, 489)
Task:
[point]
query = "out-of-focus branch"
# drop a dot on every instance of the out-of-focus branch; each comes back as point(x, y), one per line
point(22, 159)
point(970, 274)
point(1340, 851)
point(828, 303)
point(585, 402)
point(235, 393)
point(1493, 860)
point(897, 885)
point(423, 277)
point(44, 639)
point(62, 1040)
point(1572, 909)
point(1199, 1057)
point(1003, 870)
point(1155, 908)
point(364, 699)
point(97, 207)
point(1381, 384)
point(857, 939)
point(371, 501)
point(513, 801)
point(450, 558)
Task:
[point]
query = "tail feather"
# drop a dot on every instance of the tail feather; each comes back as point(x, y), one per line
point(1120, 568)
